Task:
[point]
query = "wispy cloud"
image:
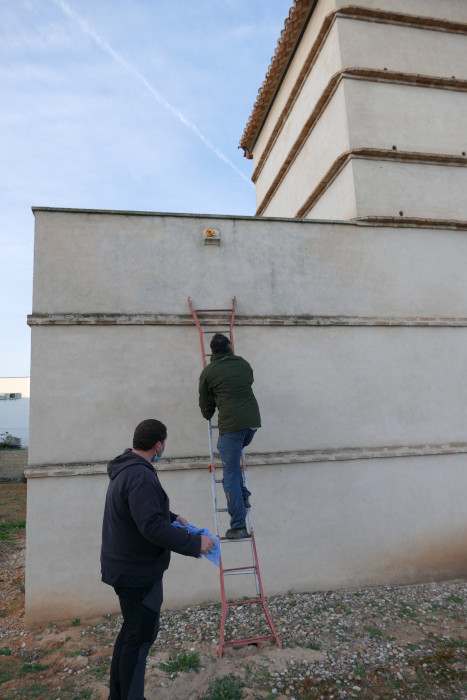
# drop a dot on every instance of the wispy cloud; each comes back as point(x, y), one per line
point(120, 60)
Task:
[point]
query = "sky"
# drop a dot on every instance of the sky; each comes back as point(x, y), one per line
point(121, 104)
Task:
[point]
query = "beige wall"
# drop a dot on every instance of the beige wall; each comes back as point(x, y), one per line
point(363, 417)
point(352, 523)
point(402, 48)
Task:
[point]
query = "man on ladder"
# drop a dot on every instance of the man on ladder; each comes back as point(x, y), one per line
point(225, 383)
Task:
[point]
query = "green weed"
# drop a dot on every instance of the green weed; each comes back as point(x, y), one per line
point(34, 667)
point(6, 672)
point(227, 688)
point(185, 661)
point(314, 646)
point(374, 632)
point(454, 599)
point(98, 671)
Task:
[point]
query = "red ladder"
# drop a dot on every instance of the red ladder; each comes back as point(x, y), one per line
point(215, 318)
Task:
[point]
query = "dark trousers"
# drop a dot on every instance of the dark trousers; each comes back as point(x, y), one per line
point(141, 610)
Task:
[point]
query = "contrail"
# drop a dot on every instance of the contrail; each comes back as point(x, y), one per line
point(87, 29)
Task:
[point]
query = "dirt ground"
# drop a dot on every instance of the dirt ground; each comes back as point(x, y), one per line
point(70, 661)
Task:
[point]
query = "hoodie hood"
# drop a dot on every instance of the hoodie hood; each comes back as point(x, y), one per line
point(125, 460)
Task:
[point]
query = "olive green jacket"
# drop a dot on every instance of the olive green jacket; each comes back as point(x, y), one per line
point(226, 384)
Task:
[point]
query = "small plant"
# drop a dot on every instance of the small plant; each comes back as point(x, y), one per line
point(314, 646)
point(185, 661)
point(374, 632)
point(5, 651)
point(7, 672)
point(454, 599)
point(98, 671)
point(76, 622)
point(359, 671)
point(32, 691)
point(34, 667)
point(227, 688)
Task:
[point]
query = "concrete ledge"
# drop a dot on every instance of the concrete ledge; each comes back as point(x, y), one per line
point(34, 471)
point(187, 320)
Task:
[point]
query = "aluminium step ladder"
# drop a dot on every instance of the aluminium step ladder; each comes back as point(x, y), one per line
point(222, 321)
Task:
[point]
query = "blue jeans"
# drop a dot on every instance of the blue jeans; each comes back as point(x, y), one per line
point(138, 633)
point(230, 446)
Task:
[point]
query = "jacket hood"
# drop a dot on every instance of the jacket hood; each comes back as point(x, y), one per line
point(123, 461)
point(221, 355)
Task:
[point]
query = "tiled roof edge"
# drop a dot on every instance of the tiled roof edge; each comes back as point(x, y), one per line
point(286, 44)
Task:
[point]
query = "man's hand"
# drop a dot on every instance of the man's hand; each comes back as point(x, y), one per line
point(183, 521)
point(207, 543)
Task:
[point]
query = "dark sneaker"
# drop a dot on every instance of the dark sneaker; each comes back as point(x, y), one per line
point(246, 503)
point(236, 533)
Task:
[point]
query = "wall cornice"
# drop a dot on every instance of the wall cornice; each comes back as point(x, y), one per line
point(370, 75)
point(341, 454)
point(377, 76)
point(376, 154)
point(266, 320)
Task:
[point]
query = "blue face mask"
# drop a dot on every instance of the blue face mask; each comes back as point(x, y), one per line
point(156, 458)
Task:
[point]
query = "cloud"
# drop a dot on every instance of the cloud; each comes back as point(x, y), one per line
point(174, 111)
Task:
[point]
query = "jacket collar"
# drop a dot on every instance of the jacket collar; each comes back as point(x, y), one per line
point(221, 355)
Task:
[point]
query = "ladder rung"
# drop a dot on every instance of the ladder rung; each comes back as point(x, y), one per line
point(219, 481)
point(235, 539)
point(239, 570)
point(223, 510)
point(211, 311)
point(219, 330)
point(244, 602)
point(250, 640)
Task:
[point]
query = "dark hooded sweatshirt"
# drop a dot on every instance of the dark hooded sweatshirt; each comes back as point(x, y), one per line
point(137, 535)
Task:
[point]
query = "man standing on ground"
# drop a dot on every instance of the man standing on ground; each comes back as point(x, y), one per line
point(226, 384)
point(137, 538)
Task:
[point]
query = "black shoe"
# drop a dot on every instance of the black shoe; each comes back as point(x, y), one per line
point(236, 533)
point(246, 503)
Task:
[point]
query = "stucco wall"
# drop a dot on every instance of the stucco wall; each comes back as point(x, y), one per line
point(353, 523)
point(357, 339)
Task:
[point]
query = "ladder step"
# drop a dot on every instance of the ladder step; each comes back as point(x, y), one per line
point(243, 602)
point(251, 640)
point(239, 570)
point(223, 510)
point(211, 311)
point(219, 481)
point(238, 539)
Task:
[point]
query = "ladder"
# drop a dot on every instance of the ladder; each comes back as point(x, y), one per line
point(222, 321)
